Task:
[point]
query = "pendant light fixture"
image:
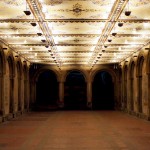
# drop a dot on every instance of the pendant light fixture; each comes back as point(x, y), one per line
point(128, 12)
point(27, 12)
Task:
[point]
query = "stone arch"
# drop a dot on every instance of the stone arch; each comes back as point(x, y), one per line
point(139, 64)
point(40, 70)
point(75, 93)
point(125, 84)
point(139, 71)
point(46, 88)
point(111, 72)
point(132, 80)
point(2, 62)
point(78, 70)
point(25, 85)
point(148, 63)
point(19, 82)
point(11, 63)
point(101, 100)
point(11, 67)
point(2, 71)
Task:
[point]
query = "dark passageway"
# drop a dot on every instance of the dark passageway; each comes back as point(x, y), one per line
point(103, 91)
point(75, 91)
point(47, 90)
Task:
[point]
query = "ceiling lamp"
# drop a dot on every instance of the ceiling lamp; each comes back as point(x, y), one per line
point(105, 46)
point(39, 34)
point(47, 46)
point(33, 24)
point(43, 41)
point(103, 50)
point(109, 40)
point(114, 34)
point(120, 24)
point(127, 13)
point(27, 12)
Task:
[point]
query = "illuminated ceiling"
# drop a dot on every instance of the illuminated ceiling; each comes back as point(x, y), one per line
point(75, 31)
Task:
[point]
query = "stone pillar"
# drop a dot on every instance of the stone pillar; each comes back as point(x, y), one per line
point(61, 94)
point(12, 101)
point(1, 96)
point(148, 75)
point(89, 94)
point(139, 93)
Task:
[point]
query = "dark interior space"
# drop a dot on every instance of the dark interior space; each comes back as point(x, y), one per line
point(75, 91)
point(103, 91)
point(47, 90)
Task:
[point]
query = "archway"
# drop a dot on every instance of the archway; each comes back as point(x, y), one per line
point(125, 86)
point(1, 83)
point(103, 91)
point(11, 83)
point(19, 85)
point(25, 72)
point(132, 80)
point(47, 90)
point(140, 74)
point(75, 91)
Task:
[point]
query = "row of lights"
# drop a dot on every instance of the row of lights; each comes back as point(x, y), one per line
point(120, 24)
point(27, 12)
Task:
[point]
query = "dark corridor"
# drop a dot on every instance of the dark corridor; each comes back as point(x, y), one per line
point(75, 91)
point(47, 90)
point(103, 91)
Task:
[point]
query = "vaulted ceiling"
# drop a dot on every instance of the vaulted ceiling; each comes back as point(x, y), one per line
point(70, 32)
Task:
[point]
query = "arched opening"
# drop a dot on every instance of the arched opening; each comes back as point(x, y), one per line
point(25, 87)
point(141, 62)
point(11, 84)
point(47, 90)
point(125, 86)
point(1, 85)
point(19, 85)
point(132, 73)
point(103, 91)
point(75, 91)
point(120, 89)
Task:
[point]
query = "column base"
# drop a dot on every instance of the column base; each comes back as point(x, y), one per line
point(89, 105)
point(61, 105)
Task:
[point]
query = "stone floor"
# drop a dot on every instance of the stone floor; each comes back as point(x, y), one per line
point(75, 130)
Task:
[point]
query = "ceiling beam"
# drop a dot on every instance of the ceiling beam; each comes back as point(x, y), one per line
point(73, 20)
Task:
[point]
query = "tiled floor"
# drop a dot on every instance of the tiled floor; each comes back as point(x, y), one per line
point(75, 130)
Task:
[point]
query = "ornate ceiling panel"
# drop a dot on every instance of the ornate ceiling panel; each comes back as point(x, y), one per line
point(70, 32)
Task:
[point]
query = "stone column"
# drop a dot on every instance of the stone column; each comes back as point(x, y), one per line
point(61, 94)
point(89, 94)
point(148, 75)
point(1, 96)
point(12, 103)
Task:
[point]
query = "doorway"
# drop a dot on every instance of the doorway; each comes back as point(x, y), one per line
point(103, 91)
point(75, 91)
point(47, 90)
